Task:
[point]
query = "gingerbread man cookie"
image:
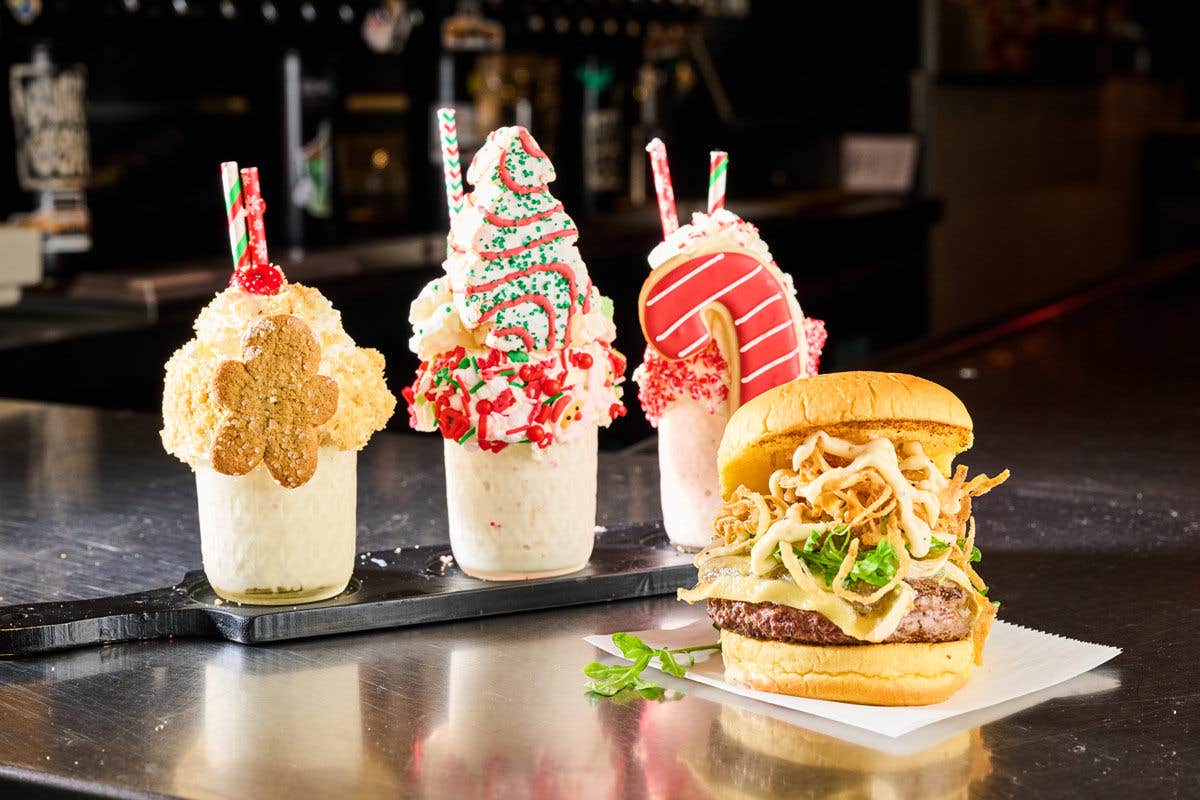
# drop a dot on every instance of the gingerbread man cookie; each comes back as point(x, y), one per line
point(276, 401)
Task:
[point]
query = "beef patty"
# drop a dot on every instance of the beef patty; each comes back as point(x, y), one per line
point(940, 613)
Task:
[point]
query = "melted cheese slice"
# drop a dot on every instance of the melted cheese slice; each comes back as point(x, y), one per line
point(730, 578)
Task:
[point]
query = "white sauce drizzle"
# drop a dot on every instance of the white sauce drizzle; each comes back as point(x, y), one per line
point(880, 455)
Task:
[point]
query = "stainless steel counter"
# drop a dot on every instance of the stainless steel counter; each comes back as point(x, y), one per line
point(1093, 538)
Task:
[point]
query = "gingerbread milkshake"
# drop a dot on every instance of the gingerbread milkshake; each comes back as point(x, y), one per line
point(722, 325)
point(517, 370)
point(269, 404)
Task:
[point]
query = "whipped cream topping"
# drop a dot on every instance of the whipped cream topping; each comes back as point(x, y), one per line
point(711, 233)
point(190, 409)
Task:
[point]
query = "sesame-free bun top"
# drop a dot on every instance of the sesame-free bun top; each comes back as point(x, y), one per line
point(762, 435)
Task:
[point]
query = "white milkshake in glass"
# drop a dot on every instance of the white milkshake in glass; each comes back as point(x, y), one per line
point(273, 534)
point(517, 371)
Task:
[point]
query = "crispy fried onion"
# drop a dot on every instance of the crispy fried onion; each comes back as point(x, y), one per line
point(877, 492)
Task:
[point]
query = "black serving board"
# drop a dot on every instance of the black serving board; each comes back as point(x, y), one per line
point(388, 590)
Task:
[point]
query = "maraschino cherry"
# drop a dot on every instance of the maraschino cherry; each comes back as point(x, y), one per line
point(265, 279)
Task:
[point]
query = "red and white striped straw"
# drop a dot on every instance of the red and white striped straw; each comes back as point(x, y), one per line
point(662, 186)
point(235, 214)
point(718, 165)
point(451, 165)
point(253, 202)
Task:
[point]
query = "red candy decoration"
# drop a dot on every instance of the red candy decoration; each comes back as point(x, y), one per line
point(529, 373)
point(582, 360)
point(258, 280)
point(535, 434)
point(551, 387)
point(815, 334)
point(504, 401)
point(484, 407)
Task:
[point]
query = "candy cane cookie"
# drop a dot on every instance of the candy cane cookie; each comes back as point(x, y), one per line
point(732, 297)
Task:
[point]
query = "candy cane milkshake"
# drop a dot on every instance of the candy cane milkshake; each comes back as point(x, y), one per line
point(722, 325)
point(517, 371)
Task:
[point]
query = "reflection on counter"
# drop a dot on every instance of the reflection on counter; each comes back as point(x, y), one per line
point(705, 750)
point(753, 755)
point(478, 751)
point(273, 723)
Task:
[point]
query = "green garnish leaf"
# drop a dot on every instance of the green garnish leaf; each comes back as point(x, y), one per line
point(976, 555)
point(877, 566)
point(936, 546)
point(669, 664)
point(631, 646)
point(824, 551)
point(609, 680)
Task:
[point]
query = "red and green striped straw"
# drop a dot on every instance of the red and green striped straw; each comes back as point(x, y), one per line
point(235, 214)
point(254, 205)
point(662, 186)
point(718, 165)
point(451, 165)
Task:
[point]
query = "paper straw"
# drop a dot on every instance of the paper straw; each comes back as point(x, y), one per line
point(257, 231)
point(451, 166)
point(718, 165)
point(235, 214)
point(662, 186)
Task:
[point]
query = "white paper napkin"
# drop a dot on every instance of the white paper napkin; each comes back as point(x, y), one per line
point(1018, 661)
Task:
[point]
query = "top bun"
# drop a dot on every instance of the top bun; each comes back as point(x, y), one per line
point(763, 434)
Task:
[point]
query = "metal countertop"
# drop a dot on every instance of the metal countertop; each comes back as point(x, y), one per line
point(1094, 538)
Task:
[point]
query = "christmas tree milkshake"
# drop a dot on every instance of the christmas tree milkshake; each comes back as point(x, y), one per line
point(517, 369)
point(269, 404)
point(722, 325)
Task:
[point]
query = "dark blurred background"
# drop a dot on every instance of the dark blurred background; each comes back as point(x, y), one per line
point(924, 170)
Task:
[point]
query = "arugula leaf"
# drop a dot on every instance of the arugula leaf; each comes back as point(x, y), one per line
point(936, 546)
point(631, 646)
point(824, 551)
point(877, 566)
point(669, 664)
point(609, 680)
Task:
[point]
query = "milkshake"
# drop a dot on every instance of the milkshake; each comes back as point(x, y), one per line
point(722, 325)
point(517, 371)
point(269, 404)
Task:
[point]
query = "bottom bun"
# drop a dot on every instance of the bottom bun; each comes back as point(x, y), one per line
point(902, 674)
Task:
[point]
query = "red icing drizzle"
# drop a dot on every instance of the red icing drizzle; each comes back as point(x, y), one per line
point(505, 222)
point(492, 255)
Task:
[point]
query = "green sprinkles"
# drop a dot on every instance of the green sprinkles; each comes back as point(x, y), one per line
point(550, 400)
point(466, 436)
point(477, 387)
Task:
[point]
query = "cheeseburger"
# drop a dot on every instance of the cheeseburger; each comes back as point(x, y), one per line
point(842, 566)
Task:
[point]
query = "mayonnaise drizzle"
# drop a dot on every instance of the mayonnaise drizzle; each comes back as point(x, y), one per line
point(880, 455)
point(762, 554)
